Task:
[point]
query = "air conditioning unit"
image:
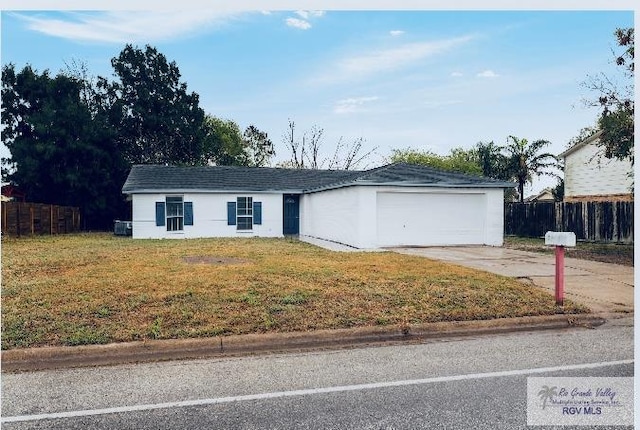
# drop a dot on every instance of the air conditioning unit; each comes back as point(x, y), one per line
point(123, 228)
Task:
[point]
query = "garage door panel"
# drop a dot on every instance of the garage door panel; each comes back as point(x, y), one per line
point(430, 218)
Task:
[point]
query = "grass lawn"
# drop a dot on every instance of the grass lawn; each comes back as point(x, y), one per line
point(617, 253)
point(98, 288)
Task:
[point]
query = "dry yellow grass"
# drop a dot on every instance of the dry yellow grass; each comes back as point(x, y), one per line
point(98, 288)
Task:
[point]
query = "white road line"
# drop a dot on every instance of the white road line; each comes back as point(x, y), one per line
point(306, 392)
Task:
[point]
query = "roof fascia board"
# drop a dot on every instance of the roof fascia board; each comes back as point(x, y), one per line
point(208, 191)
point(581, 144)
point(411, 185)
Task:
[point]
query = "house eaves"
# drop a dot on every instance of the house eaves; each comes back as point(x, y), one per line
point(411, 175)
point(580, 144)
point(227, 179)
point(211, 191)
point(149, 179)
point(413, 185)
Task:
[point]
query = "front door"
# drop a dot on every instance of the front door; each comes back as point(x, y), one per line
point(291, 218)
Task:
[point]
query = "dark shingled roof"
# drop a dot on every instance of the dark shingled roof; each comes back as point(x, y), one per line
point(156, 178)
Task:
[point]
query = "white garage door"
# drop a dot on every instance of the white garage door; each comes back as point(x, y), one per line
point(430, 219)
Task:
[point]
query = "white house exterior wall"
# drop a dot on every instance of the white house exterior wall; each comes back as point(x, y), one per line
point(494, 227)
point(209, 216)
point(372, 216)
point(333, 215)
point(584, 176)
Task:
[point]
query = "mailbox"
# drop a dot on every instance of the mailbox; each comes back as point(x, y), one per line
point(560, 238)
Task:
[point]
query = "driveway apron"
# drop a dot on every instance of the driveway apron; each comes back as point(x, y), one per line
point(603, 287)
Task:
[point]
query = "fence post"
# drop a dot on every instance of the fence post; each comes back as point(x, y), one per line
point(4, 218)
point(18, 219)
point(31, 219)
point(615, 234)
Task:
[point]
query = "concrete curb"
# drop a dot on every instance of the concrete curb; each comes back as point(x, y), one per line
point(34, 359)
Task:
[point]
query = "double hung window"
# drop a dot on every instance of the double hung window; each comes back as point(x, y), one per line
point(245, 213)
point(175, 214)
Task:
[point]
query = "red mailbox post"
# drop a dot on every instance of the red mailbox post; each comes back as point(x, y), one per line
point(560, 240)
point(560, 275)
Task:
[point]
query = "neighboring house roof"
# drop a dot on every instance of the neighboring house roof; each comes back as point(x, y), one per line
point(581, 144)
point(13, 192)
point(546, 194)
point(156, 178)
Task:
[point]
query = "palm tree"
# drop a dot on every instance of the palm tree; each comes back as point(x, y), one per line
point(547, 393)
point(526, 161)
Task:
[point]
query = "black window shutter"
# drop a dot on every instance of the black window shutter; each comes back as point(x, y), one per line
point(160, 214)
point(188, 213)
point(231, 213)
point(257, 213)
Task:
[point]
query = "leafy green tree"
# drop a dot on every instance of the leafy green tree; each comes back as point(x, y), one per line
point(459, 160)
point(226, 145)
point(258, 147)
point(558, 191)
point(157, 120)
point(493, 163)
point(616, 99)
point(61, 153)
point(222, 142)
point(526, 160)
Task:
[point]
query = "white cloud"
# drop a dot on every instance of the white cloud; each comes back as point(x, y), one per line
point(384, 60)
point(457, 74)
point(126, 26)
point(306, 14)
point(396, 33)
point(300, 24)
point(487, 74)
point(351, 105)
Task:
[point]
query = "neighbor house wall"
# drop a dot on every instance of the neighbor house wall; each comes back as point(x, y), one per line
point(209, 216)
point(590, 176)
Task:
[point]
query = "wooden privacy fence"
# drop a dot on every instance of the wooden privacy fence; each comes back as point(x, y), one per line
point(22, 219)
point(595, 221)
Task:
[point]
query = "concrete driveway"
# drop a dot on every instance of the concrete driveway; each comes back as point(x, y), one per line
point(602, 287)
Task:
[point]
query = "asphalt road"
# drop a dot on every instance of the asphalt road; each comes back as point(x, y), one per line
point(463, 383)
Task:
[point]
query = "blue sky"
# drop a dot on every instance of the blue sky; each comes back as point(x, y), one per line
point(429, 80)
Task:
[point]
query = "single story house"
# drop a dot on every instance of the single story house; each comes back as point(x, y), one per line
point(589, 176)
point(394, 205)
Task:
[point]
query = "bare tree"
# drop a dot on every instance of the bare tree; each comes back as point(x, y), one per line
point(295, 147)
point(349, 157)
point(306, 153)
point(312, 147)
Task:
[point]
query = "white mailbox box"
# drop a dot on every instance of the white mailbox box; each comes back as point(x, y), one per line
point(560, 238)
